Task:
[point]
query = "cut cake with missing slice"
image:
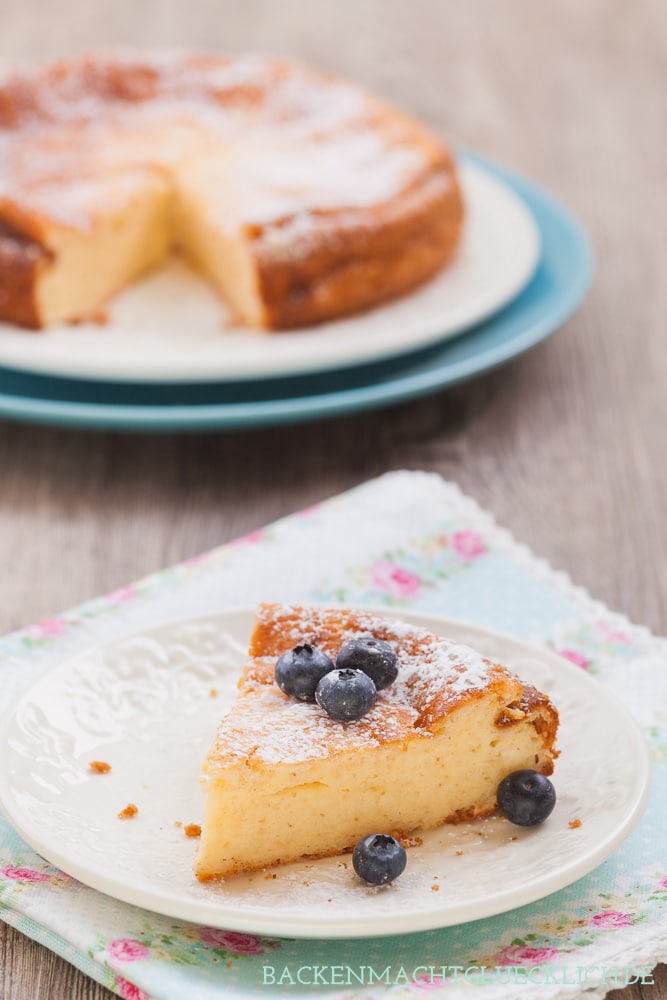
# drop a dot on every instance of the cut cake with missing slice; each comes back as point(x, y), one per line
point(300, 197)
point(284, 781)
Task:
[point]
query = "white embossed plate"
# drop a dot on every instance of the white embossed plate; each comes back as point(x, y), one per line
point(171, 327)
point(143, 704)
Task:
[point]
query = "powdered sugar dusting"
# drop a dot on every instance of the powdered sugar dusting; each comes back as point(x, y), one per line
point(267, 727)
point(286, 140)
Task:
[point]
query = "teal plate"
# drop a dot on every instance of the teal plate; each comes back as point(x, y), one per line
point(556, 289)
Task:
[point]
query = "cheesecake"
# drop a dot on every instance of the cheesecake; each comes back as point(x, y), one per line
point(284, 781)
point(298, 196)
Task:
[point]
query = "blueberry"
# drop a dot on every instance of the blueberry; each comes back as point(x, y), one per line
point(299, 672)
point(374, 656)
point(526, 797)
point(379, 859)
point(346, 695)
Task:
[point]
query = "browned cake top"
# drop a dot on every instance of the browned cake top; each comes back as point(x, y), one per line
point(294, 140)
point(436, 676)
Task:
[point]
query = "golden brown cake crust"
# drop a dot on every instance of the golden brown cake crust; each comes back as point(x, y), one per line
point(436, 677)
point(345, 201)
point(20, 261)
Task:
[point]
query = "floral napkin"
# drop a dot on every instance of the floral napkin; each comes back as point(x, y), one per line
point(406, 540)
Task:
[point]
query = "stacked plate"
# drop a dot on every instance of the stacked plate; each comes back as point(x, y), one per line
point(167, 357)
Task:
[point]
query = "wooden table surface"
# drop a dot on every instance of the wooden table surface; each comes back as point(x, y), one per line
point(567, 445)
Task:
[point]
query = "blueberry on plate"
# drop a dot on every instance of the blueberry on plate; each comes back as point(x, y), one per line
point(346, 695)
point(526, 797)
point(379, 858)
point(374, 656)
point(299, 671)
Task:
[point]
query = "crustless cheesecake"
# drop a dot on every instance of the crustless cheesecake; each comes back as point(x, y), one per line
point(283, 780)
point(300, 197)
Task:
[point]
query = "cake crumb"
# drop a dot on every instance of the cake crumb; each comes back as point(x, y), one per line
point(213, 693)
point(192, 830)
point(574, 824)
point(513, 838)
point(458, 853)
point(330, 899)
point(435, 888)
point(410, 841)
point(99, 767)
point(177, 822)
point(100, 317)
point(129, 811)
point(232, 323)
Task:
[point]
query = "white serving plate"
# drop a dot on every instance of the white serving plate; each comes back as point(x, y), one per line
point(143, 704)
point(172, 327)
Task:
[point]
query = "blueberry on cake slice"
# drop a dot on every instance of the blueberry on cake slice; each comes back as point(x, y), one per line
point(284, 779)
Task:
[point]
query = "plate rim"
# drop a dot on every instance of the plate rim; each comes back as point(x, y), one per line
point(357, 352)
point(304, 928)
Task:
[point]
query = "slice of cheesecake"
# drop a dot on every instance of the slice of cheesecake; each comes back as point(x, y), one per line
point(55, 267)
point(284, 781)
